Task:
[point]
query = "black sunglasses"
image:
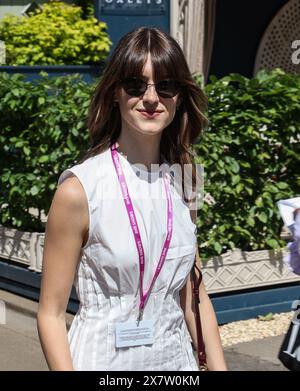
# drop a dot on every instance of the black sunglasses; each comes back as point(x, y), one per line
point(137, 87)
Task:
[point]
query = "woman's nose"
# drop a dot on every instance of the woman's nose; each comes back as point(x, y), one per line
point(150, 94)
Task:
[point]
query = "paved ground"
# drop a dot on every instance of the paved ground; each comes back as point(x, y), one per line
point(259, 355)
point(21, 350)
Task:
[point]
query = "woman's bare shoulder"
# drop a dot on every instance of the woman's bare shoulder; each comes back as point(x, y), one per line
point(71, 190)
point(70, 200)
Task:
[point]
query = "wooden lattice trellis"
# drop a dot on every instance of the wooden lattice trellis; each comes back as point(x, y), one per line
point(276, 47)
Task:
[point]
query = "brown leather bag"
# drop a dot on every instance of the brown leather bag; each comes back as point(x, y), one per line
point(196, 281)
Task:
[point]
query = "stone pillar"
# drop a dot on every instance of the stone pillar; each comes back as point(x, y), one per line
point(192, 25)
point(2, 53)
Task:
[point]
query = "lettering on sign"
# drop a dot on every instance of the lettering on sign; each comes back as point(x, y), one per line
point(133, 7)
point(296, 53)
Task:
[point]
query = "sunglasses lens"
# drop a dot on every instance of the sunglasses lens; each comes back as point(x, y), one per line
point(134, 87)
point(137, 87)
point(168, 88)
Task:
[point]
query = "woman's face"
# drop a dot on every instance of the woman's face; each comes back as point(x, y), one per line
point(137, 112)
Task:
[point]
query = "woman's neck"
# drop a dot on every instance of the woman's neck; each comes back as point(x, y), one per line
point(140, 150)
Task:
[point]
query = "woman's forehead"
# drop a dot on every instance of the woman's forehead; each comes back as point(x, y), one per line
point(147, 66)
point(148, 70)
point(150, 73)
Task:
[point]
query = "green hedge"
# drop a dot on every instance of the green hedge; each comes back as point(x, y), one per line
point(250, 153)
point(55, 35)
point(42, 131)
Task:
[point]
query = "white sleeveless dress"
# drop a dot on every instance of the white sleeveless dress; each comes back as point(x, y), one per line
point(107, 276)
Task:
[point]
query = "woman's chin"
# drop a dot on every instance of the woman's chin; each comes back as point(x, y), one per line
point(150, 129)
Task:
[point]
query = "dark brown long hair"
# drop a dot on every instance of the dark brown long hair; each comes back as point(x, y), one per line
point(128, 59)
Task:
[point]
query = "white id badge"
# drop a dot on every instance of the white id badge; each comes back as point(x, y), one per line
point(131, 334)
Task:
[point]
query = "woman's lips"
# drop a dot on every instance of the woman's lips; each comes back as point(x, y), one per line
point(150, 114)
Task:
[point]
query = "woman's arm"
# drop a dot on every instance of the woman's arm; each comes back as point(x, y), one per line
point(66, 229)
point(210, 329)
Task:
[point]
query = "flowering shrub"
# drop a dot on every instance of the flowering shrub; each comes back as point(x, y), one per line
point(55, 35)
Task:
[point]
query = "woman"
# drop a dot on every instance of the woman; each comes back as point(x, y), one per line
point(122, 231)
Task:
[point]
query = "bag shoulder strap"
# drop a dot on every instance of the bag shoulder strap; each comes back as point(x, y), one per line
point(196, 281)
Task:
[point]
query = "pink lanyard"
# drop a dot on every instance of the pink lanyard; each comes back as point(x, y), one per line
point(136, 231)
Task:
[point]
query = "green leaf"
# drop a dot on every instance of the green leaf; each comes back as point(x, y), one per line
point(239, 188)
point(30, 177)
point(262, 217)
point(218, 247)
point(235, 166)
point(44, 159)
point(70, 144)
point(16, 92)
point(272, 243)
point(282, 185)
point(12, 180)
point(272, 188)
point(250, 221)
point(14, 189)
point(34, 190)
point(26, 150)
point(74, 132)
point(259, 202)
point(41, 100)
point(235, 179)
point(266, 318)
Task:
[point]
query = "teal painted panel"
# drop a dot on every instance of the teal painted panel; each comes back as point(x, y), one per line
point(241, 306)
point(128, 15)
point(88, 72)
